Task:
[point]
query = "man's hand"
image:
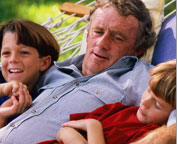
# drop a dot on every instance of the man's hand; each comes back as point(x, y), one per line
point(162, 135)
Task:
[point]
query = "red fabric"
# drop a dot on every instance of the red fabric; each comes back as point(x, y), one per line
point(120, 123)
point(50, 142)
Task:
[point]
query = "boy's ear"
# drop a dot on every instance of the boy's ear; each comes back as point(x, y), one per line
point(45, 63)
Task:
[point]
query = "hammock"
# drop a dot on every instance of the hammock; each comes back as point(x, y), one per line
point(69, 27)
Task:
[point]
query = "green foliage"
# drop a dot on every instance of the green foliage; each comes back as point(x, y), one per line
point(35, 10)
point(38, 13)
point(7, 10)
point(170, 7)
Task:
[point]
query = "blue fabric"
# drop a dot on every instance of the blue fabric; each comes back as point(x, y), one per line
point(165, 48)
point(66, 91)
point(2, 80)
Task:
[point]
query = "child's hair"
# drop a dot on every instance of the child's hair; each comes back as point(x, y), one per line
point(32, 34)
point(163, 81)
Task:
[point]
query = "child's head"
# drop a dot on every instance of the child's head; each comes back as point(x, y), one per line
point(163, 82)
point(33, 35)
point(27, 50)
point(160, 98)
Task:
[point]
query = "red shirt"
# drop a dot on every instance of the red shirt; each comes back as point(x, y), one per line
point(120, 123)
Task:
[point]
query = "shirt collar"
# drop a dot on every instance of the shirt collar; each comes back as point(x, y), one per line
point(76, 62)
point(73, 67)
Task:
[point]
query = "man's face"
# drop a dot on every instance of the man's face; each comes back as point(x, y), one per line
point(110, 37)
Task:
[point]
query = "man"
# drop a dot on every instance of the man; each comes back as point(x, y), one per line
point(103, 75)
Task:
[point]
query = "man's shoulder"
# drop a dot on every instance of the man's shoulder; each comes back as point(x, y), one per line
point(143, 65)
point(75, 60)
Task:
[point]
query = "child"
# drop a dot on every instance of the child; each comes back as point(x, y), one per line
point(27, 51)
point(123, 124)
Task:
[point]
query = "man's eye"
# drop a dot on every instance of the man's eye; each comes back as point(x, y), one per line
point(118, 39)
point(99, 32)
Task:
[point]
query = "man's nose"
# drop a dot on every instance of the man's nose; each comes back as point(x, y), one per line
point(105, 41)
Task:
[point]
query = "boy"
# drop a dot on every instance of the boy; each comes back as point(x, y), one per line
point(27, 51)
point(122, 124)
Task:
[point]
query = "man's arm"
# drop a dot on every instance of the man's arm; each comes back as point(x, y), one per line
point(162, 135)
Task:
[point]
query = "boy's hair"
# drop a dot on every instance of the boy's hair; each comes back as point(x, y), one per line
point(163, 81)
point(32, 34)
point(146, 35)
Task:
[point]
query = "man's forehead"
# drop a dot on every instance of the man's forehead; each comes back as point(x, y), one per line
point(110, 13)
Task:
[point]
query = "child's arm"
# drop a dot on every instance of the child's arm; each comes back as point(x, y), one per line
point(92, 127)
point(68, 135)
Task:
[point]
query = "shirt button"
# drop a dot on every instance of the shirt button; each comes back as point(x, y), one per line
point(55, 97)
point(33, 111)
point(97, 92)
point(76, 83)
point(12, 125)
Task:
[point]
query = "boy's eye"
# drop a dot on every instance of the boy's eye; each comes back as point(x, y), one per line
point(157, 105)
point(5, 53)
point(24, 52)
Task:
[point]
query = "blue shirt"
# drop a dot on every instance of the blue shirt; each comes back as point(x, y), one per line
point(66, 91)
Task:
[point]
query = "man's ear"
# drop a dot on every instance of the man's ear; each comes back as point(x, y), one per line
point(45, 63)
point(139, 52)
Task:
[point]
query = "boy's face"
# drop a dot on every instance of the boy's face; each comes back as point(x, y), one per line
point(153, 109)
point(20, 62)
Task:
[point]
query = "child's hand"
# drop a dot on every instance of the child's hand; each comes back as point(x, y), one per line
point(10, 88)
point(17, 104)
point(91, 126)
point(82, 124)
point(68, 135)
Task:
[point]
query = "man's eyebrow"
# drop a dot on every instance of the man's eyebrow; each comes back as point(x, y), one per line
point(120, 33)
point(98, 28)
point(114, 32)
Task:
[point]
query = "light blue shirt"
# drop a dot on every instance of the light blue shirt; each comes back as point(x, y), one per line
point(64, 91)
